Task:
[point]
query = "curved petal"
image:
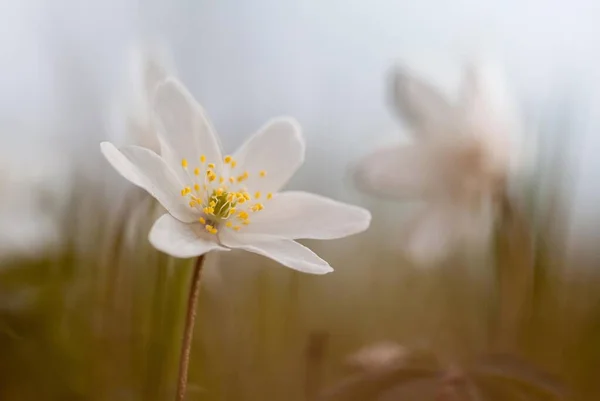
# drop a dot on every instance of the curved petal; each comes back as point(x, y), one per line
point(297, 214)
point(287, 252)
point(277, 149)
point(399, 172)
point(421, 105)
point(147, 170)
point(432, 236)
point(443, 228)
point(184, 130)
point(181, 240)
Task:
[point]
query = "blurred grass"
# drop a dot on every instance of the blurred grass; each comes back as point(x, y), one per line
point(99, 317)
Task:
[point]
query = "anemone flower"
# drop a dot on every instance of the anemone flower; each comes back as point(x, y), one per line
point(458, 164)
point(219, 202)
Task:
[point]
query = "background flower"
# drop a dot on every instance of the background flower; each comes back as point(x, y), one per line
point(462, 155)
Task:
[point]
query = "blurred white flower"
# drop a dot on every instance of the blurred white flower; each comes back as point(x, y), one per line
point(459, 163)
point(147, 66)
point(217, 202)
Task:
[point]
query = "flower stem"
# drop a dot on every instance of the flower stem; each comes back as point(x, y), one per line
point(190, 319)
point(515, 277)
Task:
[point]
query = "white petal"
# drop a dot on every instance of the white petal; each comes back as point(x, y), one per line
point(444, 228)
point(431, 236)
point(304, 215)
point(184, 130)
point(181, 240)
point(147, 170)
point(422, 106)
point(278, 149)
point(399, 172)
point(287, 252)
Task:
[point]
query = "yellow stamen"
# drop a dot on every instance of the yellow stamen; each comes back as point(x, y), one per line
point(231, 180)
point(202, 159)
point(184, 163)
point(269, 195)
point(197, 187)
point(211, 165)
point(263, 173)
point(233, 163)
point(257, 195)
point(227, 159)
point(202, 220)
point(196, 171)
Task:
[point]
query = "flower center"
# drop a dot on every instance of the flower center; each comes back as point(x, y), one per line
point(221, 200)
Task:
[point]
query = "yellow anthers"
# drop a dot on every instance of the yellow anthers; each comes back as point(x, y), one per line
point(237, 228)
point(219, 191)
point(208, 210)
point(192, 203)
point(246, 222)
point(196, 171)
point(269, 195)
point(229, 224)
point(202, 220)
point(184, 163)
point(243, 177)
point(211, 165)
point(241, 199)
point(183, 192)
point(202, 159)
point(247, 196)
point(231, 211)
point(258, 207)
point(212, 177)
point(243, 215)
point(196, 187)
point(227, 159)
point(221, 180)
point(231, 180)
point(263, 173)
point(257, 195)
point(233, 163)
point(210, 229)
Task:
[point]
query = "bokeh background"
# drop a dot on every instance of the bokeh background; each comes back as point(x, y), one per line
point(90, 312)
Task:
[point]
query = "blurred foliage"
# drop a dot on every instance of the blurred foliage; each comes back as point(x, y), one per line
point(99, 317)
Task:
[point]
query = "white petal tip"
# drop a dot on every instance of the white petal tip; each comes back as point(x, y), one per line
point(293, 124)
point(322, 271)
point(105, 145)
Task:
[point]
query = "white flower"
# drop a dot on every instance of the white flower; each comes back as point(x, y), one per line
point(216, 202)
point(459, 163)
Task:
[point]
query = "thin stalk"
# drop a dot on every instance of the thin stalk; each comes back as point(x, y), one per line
point(190, 319)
